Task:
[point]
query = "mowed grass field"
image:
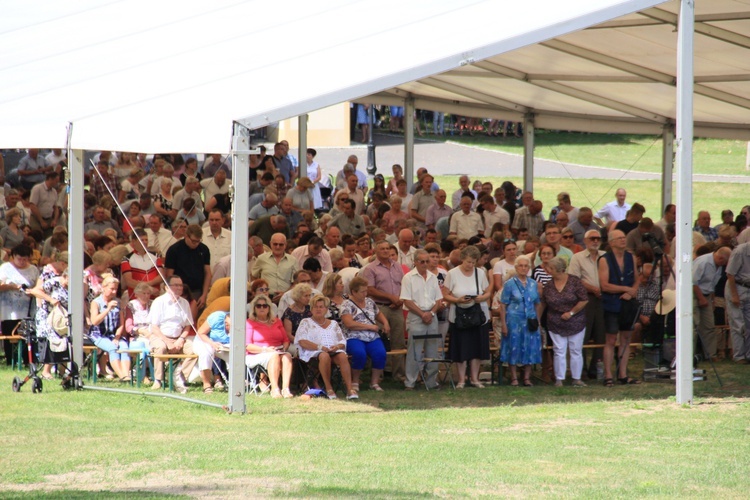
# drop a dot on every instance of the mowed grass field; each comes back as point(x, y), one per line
point(623, 442)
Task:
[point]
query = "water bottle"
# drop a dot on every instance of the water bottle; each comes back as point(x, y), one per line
point(600, 370)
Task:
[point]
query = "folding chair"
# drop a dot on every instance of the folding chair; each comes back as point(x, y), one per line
point(253, 380)
point(311, 373)
point(440, 360)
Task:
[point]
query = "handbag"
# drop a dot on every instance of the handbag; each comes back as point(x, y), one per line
point(532, 324)
point(470, 317)
point(58, 320)
point(383, 336)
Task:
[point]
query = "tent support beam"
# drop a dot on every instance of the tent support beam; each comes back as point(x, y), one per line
point(302, 144)
point(76, 249)
point(528, 152)
point(667, 161)
point(238, 286)
point(409, 142)
point(684, 252)
point(472, 94)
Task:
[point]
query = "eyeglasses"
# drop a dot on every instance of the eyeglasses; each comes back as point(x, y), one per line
point(261, 306)
point(422, 261)
point(278, 244)
point(264, 289)
point(176, 285)
point(594, 238)
point(196, 241)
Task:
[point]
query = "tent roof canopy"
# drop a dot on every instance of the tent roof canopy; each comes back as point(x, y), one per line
point(174, 75)
point(617, 76)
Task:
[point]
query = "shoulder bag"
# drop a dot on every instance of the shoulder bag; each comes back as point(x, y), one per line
point(470, 317)
point(383, 337)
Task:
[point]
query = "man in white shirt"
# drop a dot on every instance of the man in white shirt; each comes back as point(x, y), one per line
point(614, 211)
point(422, 298)
point(191, 190)
point(405, 250)
point(217, 238)
point(159, 238)
point(464, 182)
point(466, 223)
point(492, 214)
point(218, 184)
point(314, 249)
point(171, 325)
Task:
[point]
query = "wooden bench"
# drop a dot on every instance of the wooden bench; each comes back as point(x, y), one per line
point(170, 359)
point(16, 357)
point(138, 359)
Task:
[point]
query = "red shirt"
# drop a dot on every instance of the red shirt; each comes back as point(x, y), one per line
point(265, 335)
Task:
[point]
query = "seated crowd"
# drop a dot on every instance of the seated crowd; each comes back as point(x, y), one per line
point(341, 273)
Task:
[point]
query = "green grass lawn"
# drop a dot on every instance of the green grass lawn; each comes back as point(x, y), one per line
point(500, 441)
point(642, 153)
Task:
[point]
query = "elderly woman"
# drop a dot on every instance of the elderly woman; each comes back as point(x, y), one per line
point(321, 341)
point(298, 310)
point(503, 268)
point(12, 234)
point(519, 302)
point(467, 287)
point(302, 195)
point(566, 300)
point(266, 343)
point(395, 214)
point(16, 277)
point(48, 281)
point(163, 203)
point(361, 320)
point(568, 241)
point(333, 289)
point(546, 253)
point(94, 274)
point(108, 328)
point(212, 341)
point(137, 326)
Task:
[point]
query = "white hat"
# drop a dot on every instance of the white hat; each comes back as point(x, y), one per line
point(667, 303)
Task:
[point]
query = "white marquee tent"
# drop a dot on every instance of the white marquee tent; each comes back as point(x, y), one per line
point(176, 75)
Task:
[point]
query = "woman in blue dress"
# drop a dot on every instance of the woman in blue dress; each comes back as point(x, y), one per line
point(520, 302)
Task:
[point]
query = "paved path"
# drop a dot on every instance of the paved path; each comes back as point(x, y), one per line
point(448, 158)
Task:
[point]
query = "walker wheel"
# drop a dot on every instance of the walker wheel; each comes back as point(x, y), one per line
point(36, 385)
point(77, 383)
point(16, 384)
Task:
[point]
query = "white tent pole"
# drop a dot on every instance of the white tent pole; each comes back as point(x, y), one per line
point(684, 253)
point(302, 150)
point(76, 250)
point(528, 152)
point(408, 142)
point(667, 161)
point(238, 286)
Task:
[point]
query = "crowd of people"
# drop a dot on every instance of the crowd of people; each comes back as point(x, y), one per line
point(341, 273)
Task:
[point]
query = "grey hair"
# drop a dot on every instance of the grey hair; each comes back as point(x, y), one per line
point(558, 264)
point(470, 252)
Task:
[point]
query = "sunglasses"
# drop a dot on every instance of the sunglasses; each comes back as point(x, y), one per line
point(423, 261)
point(594, 238)
point(568, 237)
point(263, 289)
point(261, 306)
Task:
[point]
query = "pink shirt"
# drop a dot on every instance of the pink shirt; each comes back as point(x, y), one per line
point(265, 335)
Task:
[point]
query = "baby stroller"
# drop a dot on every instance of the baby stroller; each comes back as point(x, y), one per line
point(40, 351)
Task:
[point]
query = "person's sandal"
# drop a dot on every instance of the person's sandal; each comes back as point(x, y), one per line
point(608, 382)
point(527, 383)
point(287, 394)
point(355, 387)
point(514, 382)
point(208, 390)
point(332, 395)
point(628, 381)
point(275, 393)
point(376, 388)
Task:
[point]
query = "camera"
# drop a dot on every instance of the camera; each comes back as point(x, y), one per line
point(655, 244)
point(24, 287)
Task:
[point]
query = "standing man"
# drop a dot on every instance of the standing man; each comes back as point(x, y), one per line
point(707, 271)
point(268, 225)
point(619, 280)
point(422, 299)
point(159, 239)
point(44, 209)
point(314, 249)
point(463, 183)
point(614, 211)
point(32, 169)
point(422, 200)
point(584, 265)
point(437, 210)
point(283, 163)
point(216, 237)
point(405, 250)
point(492, 214)
point(348, 221)
point(190, 259)
point(553, 235)
point(384, 277)
point(276, 267)
point(466, 223)
point(704, 226)
point(583, 225)
point(737, 297)
point(529, 217)
point(171, 325)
